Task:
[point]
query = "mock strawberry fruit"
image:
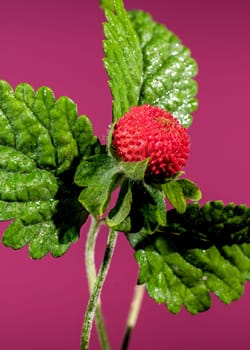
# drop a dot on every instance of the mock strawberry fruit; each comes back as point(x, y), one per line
point(149, 132)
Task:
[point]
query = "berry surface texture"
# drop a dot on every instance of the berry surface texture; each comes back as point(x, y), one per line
point(151, 132)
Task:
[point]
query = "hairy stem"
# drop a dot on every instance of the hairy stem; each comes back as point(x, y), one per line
point(133, 314)
point(91, 276)
point(97, 286)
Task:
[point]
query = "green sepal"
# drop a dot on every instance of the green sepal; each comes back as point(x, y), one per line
point(168, 69)
point(147, 208)
point(139, 204)
point(98, 174)
point(159, 207)
point(134, 170)
point(107, 5)
point(190, 189)
point(173, 192)
point(178, 191)
point(147, 212)
point(206, 249)
point(37, 161)
point(123, 204)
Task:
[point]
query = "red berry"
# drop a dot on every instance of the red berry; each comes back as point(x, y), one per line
point(151, 132)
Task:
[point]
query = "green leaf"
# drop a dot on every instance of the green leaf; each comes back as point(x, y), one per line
point(98, 174)
point(123, 58)
point(168, 69)
point(206, 249)
point(39, 132)
point(40, 145)
point(83, 133)
point(35, 185)
point(147, 64)
point(213, 223)
point(173, 192)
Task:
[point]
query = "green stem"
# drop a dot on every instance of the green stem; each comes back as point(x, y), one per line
point(97, 285)
point(91, 275)
point(133, 314)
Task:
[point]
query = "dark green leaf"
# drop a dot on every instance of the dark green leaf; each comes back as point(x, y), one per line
point(40, 145)
point(213, 223)
point(168, 69)
point(206, 249)
point(123, 58)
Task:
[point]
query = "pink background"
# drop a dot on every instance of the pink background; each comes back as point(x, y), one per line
point(58, 44)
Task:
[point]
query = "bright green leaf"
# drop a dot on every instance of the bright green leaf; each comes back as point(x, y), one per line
point(83, 133)
point(123, 58)
point(147, 64)
point(40, 145)
point(168, 69)
point(11, 160)
point(32, 186)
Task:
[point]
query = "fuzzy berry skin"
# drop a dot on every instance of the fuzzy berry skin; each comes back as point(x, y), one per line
point(150, 132)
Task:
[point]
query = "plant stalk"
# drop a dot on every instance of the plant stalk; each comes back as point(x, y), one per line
point(133, 314)
point(94, 307)
point(91, 276)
